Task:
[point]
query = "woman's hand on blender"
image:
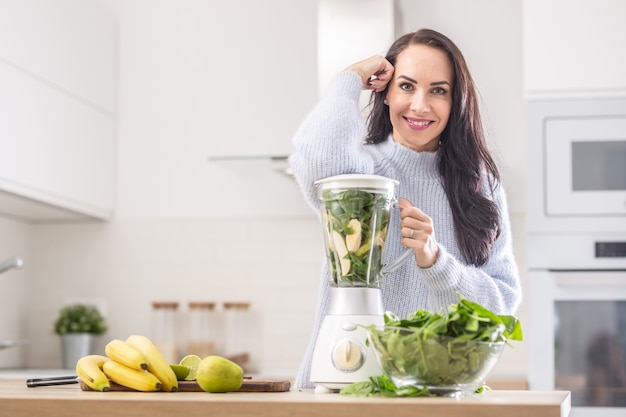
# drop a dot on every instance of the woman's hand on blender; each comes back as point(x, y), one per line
point(418, 233)
point(375, 72)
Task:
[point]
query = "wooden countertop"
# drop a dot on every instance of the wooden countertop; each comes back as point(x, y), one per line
point(17, 400)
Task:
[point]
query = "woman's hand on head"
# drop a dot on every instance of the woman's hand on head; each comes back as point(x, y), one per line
point(418, 233)
point(375, 72)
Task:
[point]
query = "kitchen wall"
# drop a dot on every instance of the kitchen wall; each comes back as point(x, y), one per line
point(201, 79)
point(16, 288)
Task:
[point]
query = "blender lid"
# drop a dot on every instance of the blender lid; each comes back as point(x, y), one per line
point(360, 181)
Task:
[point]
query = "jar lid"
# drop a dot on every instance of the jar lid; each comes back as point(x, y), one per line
point(172, 305)
point(366, 182)
point(236, 305)
point(201, 305)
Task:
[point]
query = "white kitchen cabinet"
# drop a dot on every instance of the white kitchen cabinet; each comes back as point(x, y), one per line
point(57, 109)
point(574, 47)
point(70, 44)
point(345, 35)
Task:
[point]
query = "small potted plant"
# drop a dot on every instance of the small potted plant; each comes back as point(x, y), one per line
point(77, 325)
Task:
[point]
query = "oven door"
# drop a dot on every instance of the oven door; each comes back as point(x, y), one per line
point(585, 162)
point(577, 338)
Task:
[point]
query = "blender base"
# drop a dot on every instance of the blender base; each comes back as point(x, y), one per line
point(335, 333)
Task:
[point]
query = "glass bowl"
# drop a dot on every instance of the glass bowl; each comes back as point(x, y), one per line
point(445, 366)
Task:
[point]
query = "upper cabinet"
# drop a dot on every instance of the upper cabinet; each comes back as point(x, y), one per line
point(574, 48)
point(57, 109)
point(349, 31)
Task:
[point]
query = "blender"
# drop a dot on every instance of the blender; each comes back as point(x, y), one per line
point(356, 209)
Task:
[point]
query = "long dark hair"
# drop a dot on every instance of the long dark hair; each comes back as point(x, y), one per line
point(464, 162)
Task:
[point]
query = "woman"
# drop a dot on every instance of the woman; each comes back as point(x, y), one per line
point(425, 131)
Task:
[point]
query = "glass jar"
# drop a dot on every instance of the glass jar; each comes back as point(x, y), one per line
point(164, 325)
point(200, 332)
point(235, 326)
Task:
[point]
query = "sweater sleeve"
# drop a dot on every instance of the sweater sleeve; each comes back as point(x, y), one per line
point(494, 284)
point(329, 140)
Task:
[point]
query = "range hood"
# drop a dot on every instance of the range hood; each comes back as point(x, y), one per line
point(253, 164)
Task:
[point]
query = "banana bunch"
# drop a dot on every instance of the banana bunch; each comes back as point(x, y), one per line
point(135, 363)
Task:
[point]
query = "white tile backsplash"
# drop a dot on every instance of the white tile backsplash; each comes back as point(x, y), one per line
point(126, 264)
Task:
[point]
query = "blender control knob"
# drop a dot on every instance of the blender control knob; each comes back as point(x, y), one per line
point(348, 356)
point(349, 327)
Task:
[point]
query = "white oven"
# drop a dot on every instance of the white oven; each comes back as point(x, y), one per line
point(577, 337)
point(576, 223)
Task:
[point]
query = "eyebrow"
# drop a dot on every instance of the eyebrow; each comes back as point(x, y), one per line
point(415, 82)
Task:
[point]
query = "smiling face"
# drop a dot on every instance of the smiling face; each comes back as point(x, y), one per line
point(420, 97)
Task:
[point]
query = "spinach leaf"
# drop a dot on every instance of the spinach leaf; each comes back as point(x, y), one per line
point(383, 386)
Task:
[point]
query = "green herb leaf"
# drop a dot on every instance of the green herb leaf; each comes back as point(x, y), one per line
point(80, 318)
point(359, 389)
point(383, 386)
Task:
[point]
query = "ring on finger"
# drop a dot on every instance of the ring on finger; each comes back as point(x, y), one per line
point(411, 233)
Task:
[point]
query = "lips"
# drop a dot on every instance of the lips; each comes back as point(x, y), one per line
point(418, 124)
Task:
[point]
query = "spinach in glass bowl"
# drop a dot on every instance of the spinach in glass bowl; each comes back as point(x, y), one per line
point(437, 354)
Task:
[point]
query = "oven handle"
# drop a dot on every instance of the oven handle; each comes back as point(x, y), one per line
point(589, 278)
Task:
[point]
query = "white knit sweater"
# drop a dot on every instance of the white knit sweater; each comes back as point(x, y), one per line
point(330, 142)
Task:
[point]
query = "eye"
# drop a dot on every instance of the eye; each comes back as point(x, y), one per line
point(439, 90)
point(406, 86)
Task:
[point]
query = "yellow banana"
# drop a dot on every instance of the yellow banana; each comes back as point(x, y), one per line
point(89, 370)
point(157, 365)
point(128, 355)
point(131, 378)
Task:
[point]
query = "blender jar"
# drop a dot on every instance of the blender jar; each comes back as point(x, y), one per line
point(355, 212)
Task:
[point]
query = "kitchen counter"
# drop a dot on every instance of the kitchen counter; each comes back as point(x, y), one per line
point(69, 400)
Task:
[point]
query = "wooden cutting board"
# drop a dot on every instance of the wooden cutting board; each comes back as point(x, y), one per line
point(249, 385)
